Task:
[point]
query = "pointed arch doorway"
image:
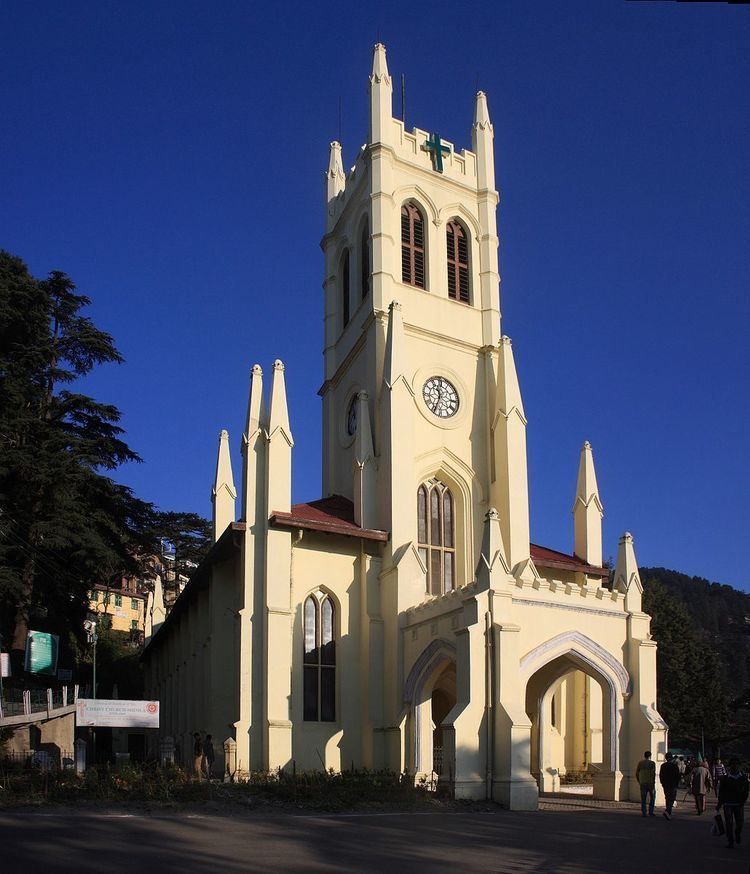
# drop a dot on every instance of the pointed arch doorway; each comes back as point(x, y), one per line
point(442, 701)
point(574, 694)
point(569, 712)
point(430, 695)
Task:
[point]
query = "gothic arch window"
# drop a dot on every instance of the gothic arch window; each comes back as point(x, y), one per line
point(457, 244)
point(345, 301)
point(436, 535)
point(412, 246)
point(364, 260)
point(319, 658)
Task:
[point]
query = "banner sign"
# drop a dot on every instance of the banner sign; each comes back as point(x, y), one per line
point(117, 713)
point(4, 664)
point(41, 653)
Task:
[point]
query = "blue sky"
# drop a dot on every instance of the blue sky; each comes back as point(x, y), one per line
point(169, 157)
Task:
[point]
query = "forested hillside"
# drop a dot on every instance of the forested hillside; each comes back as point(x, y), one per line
point(703, 631)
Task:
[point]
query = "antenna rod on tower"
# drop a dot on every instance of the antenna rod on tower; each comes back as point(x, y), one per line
point(403, 99)
point(340, 117)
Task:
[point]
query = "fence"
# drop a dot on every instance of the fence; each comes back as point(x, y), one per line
point(25, 702)
point(37, 760)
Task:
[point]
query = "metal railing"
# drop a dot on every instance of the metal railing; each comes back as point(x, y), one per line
point(37, 760)
point(26, 702)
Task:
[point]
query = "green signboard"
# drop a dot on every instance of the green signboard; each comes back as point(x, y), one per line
point(41, 653)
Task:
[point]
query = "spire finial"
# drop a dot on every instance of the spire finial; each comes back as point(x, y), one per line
point(481, 112)
point(627, 578)
point(481, 140)
point(254, 403)
point(278, 412)
point(335, 177)
point(381, 98)
point(492, 567)
point(379, 64)
point(587, 510)
point(224, 492)
point(395, 346)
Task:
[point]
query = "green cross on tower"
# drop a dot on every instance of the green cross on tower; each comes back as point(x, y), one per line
point(434, 146)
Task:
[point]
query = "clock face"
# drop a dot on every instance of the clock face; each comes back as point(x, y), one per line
point(440, 396)
point(351, 417)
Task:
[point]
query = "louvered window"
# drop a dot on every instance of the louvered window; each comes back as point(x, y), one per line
point(458, 262)
point(364, 261)
point(319, 661)
point(345, 304)
point(412, 246)
point(436, 536)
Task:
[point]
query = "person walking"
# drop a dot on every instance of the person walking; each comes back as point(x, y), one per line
point(700, 785)
point(197, 756)
point(208, 756)
point(733, 791)
point(717, 773)
point(669, 777)
point(645, 774)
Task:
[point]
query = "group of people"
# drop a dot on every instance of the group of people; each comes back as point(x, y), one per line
point(730, 786)
point(203, 756)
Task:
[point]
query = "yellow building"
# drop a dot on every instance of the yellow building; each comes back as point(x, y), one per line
point(405, 620)
point(123, 608)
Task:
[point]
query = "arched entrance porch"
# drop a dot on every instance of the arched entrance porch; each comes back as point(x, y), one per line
point(569, 706)
point(574, 694)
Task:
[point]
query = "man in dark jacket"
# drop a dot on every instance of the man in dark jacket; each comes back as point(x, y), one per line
point(645, 774)
point(733, 792)
point(669, 777)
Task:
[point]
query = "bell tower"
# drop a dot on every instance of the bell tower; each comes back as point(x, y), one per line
point(413, 349)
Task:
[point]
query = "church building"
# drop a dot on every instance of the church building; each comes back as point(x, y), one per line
point(404, 620)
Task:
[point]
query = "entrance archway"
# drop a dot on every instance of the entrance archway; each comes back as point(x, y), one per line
point(443, 700)
point(430, 696)
point(570, 715)
point(573, 694)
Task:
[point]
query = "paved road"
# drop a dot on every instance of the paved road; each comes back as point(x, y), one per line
point(560, 841)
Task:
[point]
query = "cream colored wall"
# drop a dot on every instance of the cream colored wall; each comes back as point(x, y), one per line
point(191, 667)
point(334, 566)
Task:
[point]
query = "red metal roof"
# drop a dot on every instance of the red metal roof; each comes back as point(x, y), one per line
point(334, 515)
point(551, 558)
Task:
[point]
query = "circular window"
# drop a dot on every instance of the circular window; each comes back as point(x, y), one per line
point(440, 396)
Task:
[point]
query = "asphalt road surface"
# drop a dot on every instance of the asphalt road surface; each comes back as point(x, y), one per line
point(561, 841)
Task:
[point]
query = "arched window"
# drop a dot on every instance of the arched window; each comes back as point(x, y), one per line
point(412, 246)
point(436, 535)
point(364, 261)
point(319, 662)
point(345, 288)
point(457, 241)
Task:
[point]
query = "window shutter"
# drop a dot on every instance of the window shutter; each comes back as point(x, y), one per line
point(457, 245)
point(412, 246)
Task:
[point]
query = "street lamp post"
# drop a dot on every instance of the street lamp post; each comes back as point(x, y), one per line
point(90, 627)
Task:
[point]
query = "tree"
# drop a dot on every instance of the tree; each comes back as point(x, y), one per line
point(692, 695)
point(188, 538)
point(64, 524)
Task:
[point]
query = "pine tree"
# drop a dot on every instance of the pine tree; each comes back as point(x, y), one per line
point(64, 524)
point(692, 694)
